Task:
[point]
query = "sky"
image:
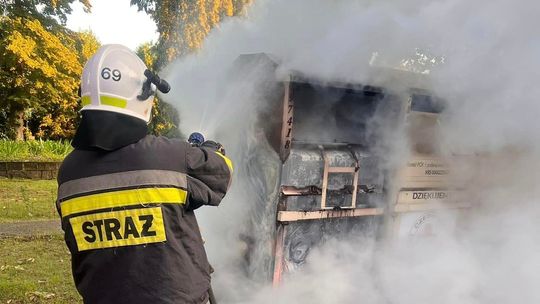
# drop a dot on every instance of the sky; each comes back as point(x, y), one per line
point(114, 22)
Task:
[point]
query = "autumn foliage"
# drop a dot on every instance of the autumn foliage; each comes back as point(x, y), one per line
point(42, 61)
point(40, 69)
point(183, 24)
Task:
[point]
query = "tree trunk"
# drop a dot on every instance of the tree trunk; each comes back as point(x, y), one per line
point(19, 126)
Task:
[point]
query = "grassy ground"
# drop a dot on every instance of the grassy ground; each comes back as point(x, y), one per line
point(36, 270)
point(33, 269)
point(34, 150)
point(22, 199)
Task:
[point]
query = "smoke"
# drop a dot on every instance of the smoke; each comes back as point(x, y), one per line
point(489, 79)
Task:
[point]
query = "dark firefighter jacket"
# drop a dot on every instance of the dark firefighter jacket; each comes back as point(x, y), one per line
point(129, 222)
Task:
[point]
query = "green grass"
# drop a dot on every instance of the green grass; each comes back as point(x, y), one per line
point(33, 269)
point(34, 150)
point(36, 270)
point(23, 199)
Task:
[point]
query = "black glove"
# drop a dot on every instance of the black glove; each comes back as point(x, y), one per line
point(214, 146)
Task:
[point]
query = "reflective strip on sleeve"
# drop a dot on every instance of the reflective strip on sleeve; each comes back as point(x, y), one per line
point(227, 161)
point(127, 179)
point(122, 198)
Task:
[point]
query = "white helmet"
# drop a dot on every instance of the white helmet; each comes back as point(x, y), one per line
point(112, 80)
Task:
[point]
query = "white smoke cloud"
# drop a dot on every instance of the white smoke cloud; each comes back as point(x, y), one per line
point(489, 78)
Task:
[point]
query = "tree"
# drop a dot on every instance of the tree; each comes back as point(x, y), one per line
point(44, 10)
point(60, 119)
point(39, 77)
point(87, 45)
point(148, 53)
point(421, 62)
point(183, 24)
point(40, 67)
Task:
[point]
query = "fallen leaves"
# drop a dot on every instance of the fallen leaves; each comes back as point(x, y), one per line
point(26, 261)
point(37, 295)
point(18, 267)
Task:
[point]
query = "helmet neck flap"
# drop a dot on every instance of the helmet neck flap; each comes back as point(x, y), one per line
point(108, 131)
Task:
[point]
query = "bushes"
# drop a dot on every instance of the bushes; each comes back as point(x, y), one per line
point(34, 150)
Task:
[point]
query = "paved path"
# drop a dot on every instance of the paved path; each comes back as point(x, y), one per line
point(30, 228)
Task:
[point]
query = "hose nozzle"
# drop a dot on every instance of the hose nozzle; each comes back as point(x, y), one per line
point(196, 139)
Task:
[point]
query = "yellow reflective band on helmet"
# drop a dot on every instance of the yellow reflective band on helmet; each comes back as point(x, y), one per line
point(227, 161)
point(113, 101)
point(123, 198)
point(85, 100)
point(119, 228)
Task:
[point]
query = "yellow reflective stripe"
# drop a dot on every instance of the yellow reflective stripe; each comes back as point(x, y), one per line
point(123, 198)
point(227, 161)
point(85, 100)
point(113, 101)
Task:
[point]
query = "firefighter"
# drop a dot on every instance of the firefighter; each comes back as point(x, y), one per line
point(127, 199)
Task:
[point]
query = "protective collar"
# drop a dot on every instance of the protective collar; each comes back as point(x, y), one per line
point(107, 131)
